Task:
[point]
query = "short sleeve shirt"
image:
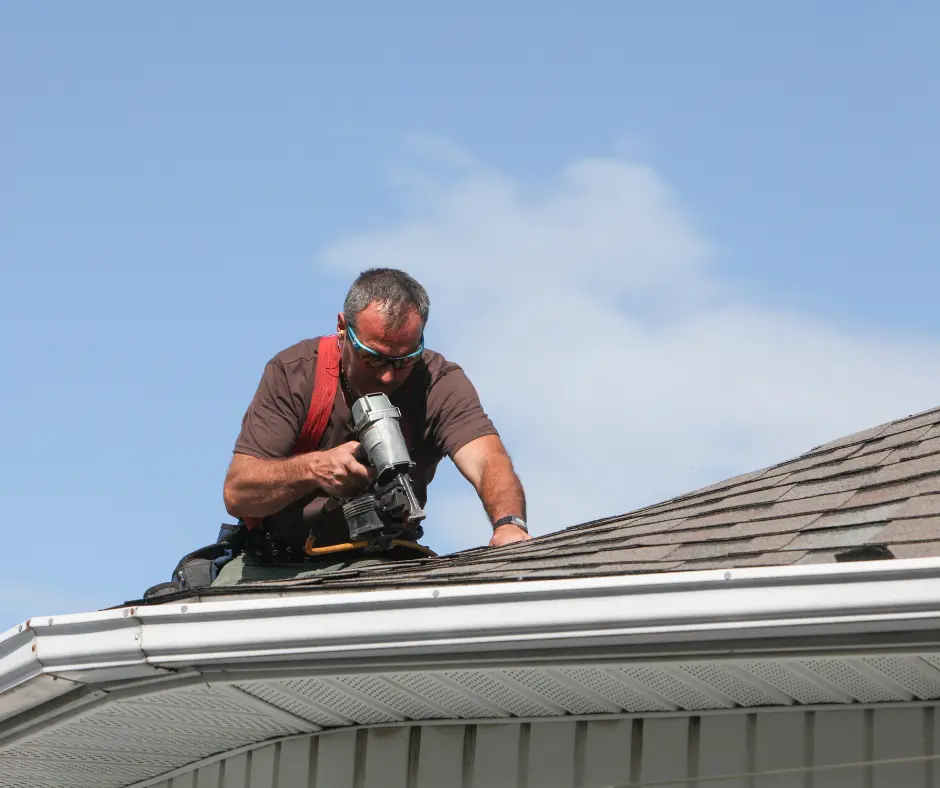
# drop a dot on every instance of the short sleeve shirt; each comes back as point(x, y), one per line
point(441, 413)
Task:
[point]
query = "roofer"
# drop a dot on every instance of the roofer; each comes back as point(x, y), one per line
point(290, 491)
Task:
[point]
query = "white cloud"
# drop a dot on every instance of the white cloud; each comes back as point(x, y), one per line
point(618, 366)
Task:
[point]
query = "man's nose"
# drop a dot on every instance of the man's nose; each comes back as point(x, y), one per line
point(387, 376)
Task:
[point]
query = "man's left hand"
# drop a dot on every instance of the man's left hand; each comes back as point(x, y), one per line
point(507, 534)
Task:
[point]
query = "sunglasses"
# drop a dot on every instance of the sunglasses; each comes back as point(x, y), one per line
point(375, 359)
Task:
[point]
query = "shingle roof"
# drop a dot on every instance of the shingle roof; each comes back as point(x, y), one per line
point(871, 495)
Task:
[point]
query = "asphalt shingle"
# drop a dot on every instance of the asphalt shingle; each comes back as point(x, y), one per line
point(840, 468)
point(917, 550)
point(905, 438)
point(836, 537)
point(920, 449)
point(921, 529)
point(849, 518)
point(898, 491)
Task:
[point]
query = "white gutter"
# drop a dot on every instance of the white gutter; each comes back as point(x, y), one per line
point(709, 612)
point(23, 685)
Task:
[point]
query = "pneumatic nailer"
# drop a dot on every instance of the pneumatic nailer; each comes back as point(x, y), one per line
point(390, 510)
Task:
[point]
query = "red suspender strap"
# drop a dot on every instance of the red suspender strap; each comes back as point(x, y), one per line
point(324, 394)
point(325, 382)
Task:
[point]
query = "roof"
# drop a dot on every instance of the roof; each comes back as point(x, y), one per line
point(111, 698)
point(871, 495)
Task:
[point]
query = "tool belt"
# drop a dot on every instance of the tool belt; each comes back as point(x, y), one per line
point(265, 547)
point(200, 567)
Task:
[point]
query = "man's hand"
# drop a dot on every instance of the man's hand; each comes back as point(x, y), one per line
point(256, 488)
point(339, 473)
point(507, 534)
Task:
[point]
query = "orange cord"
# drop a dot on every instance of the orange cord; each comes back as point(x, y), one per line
point(309, 549)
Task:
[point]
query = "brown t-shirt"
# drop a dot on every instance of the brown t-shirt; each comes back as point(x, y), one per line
point(440, 409)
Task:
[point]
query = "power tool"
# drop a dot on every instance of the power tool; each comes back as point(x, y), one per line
point(390, 509)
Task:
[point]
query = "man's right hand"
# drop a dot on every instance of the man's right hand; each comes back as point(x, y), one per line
point(339, 472)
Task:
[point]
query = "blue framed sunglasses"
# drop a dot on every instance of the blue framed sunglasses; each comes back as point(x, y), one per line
point(375, 359)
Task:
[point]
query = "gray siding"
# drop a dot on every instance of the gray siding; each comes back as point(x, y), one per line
point(599, 754)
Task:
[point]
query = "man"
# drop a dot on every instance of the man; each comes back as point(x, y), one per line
point(380, 336)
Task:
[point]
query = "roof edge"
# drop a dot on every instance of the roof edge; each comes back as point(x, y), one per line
point(681, 611)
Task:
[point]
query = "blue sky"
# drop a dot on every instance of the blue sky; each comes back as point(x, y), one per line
point(740, 201)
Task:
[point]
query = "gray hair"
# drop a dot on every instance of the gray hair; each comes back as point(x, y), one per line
point(394, 291)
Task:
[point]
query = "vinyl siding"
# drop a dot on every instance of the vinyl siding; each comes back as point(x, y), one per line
point(677, 751)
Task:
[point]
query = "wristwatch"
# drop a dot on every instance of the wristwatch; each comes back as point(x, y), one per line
point(511, 519)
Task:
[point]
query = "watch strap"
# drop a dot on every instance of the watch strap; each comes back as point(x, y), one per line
point(511, 519)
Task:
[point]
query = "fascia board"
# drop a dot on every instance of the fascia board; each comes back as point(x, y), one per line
point(18, 659)
point(109, 640)
point(22, 682)
point(716, 607)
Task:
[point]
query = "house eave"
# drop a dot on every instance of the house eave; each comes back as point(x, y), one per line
point(91, 688)
point(702, 613)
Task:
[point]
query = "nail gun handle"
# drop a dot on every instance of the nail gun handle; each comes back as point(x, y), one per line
point(417, 512)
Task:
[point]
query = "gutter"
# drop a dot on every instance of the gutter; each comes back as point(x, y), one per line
point(714, 612)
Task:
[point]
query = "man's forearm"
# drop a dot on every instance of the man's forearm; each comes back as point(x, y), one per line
point(500, 489)
point(257, 488)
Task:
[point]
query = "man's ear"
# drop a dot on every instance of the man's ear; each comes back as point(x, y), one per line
point(340, 325)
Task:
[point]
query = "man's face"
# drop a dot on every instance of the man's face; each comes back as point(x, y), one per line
point(373, 331)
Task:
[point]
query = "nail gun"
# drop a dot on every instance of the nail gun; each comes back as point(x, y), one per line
point(390, 509)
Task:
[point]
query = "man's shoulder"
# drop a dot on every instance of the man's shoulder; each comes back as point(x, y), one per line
point(302, 352)
point(437, 365)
